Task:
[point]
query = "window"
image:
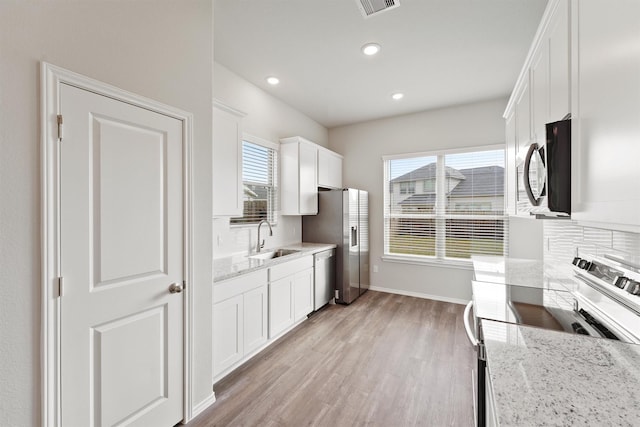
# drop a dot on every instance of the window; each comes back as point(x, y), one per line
point(457, 211)
point(408, 187)
point(259, 178)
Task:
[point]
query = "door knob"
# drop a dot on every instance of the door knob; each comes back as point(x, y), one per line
point(175, 288)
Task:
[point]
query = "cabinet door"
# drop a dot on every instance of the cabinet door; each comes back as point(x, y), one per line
point(490, 404)
point(227, 333)
point(227, 162)
point(255, 318)
point(559, 69)
point(523, 116)
point(511, 187)
point(540, 91)
point(302, 294)
point(298, 176)
point(280, 306)
point(308, 179)
point(606, 129)
point(329, 169)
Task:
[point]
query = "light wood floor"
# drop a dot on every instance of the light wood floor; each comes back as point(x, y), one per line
point(385, 360)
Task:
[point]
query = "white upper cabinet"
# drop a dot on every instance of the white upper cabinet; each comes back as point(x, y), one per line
point(523, 115)
point(606, 110)
point(299, 176)
point(541, 94)
point(329, 169)
point(511, 184)
point(559, 95)
point(227, 160)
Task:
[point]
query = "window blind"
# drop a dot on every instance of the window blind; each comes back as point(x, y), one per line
point(259, 177)
point(455, 207)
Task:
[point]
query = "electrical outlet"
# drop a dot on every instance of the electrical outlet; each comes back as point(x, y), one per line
point(375, 268)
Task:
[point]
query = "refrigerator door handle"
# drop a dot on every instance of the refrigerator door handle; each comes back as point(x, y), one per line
point(354, 236)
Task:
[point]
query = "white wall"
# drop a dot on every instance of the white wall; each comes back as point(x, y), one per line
point(363, 146)
point(525, 237)
point(159, 49)
point(271, 119)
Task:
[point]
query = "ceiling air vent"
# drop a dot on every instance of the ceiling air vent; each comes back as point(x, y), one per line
point(372, 7)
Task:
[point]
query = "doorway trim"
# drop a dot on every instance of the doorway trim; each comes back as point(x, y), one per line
point(51, 78)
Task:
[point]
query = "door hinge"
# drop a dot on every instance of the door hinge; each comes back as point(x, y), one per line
point(184, 284)
point(60, 286)
point(60, 127)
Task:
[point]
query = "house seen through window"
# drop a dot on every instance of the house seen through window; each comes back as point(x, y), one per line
point(455, 207)
point(259, 178)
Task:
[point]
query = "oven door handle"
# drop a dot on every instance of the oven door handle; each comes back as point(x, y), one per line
point(467, 327)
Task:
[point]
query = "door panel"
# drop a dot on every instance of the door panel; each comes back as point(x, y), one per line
point(119, 356)
point(129, 220)
point(121, 225)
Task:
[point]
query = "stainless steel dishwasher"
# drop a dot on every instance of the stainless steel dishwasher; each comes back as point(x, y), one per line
point(325, 277)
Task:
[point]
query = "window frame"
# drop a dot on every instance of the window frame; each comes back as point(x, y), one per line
point(440, 216)
point(273, 214)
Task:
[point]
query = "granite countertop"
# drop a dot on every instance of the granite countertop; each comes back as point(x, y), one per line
point(236, 265)
point(541, 377)
point(524, 272)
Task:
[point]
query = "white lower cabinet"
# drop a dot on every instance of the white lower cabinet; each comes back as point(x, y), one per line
point(255, 318)
point(239, 319)
point(302, 294)
point(280, 306)
point(491, 416)
point(254, 308)
point(228, 328)
point(290, 300)
point(290, 294)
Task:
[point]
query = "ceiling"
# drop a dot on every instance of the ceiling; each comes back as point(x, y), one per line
point(437, 52)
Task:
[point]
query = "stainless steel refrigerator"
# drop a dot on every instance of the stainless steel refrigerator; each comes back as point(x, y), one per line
point(343, 219)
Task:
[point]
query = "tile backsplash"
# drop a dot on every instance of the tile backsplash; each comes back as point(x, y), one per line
point(564, 239)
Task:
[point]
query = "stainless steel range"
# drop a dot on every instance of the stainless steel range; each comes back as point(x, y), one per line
point(595, 296)
point(611, 287)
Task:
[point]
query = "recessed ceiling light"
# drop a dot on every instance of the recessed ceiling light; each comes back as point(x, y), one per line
point(273, 80)
point(397, 96)
point(370, 49)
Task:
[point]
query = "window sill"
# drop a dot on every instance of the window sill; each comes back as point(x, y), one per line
point(420, 260)
point(248, 225)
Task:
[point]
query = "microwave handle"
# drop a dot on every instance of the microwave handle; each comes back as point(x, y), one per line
point(467, 327)
point(527, 184)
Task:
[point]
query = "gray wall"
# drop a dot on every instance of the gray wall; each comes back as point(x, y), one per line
point(159, 49)
point(363, 146)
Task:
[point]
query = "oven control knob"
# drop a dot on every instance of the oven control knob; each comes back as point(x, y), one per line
point(621, 282)
point(576, 260)
point(633, 287)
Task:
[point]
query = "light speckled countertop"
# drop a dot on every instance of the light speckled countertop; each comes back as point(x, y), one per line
point(523, 272)
point(236, 265)
point(546, 378)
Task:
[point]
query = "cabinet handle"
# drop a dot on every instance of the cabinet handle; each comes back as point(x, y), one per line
point(467, 327)
point(527, 184)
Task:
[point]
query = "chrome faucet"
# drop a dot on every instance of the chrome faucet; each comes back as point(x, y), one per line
point(261, 245)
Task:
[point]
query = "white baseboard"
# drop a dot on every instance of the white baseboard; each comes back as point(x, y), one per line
point(419, 295)
point(200, 407)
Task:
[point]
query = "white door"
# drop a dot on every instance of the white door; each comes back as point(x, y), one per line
point(122, 237)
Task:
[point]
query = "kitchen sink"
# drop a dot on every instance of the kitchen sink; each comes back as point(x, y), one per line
point(273, 254)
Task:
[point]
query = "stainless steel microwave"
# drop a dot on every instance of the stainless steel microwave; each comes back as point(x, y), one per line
point(544, 176)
